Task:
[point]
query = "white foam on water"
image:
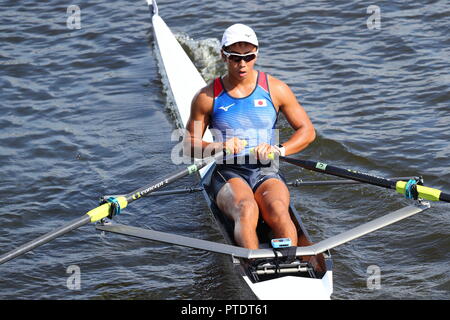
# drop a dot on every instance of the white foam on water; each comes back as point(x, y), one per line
point(205, 54)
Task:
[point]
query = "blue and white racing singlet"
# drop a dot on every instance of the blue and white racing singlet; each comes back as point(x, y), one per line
point(252, 118)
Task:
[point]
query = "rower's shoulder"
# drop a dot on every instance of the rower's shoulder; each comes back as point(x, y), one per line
point(282, 96)
point(207, 91)
point(277, 84)
point(204, 97)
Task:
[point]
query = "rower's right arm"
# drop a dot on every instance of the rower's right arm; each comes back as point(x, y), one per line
point(199, 119)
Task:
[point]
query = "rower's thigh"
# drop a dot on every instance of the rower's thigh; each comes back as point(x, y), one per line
point(236, 199)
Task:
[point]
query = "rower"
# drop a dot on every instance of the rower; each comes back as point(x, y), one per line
point(241, 109)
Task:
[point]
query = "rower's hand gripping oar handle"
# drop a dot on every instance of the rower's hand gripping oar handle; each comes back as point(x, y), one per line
point(228, 152)
point(270, 156)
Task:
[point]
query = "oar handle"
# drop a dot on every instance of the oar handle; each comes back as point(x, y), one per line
point(270, 156)
point(227, 151)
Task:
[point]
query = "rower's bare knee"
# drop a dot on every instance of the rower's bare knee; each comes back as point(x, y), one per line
point(247, 212)
point(277, 212)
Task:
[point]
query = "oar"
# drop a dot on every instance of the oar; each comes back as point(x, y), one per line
point(106, 209)
point(318, 183)
point(401, 187)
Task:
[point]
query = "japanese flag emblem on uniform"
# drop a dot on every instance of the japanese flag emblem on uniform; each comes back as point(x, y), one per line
point(260, 102)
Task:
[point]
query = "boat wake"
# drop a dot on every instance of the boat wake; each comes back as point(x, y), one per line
point(205, 54)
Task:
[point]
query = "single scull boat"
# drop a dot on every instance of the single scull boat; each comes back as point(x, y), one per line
point(303, 272)
point(309, 274)
point(266, 277)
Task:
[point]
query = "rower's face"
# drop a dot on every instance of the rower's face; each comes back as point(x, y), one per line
point(240, 69)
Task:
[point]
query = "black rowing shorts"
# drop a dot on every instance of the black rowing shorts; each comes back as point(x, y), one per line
point(253, 174)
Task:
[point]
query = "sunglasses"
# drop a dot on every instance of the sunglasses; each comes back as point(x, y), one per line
point(235, 57)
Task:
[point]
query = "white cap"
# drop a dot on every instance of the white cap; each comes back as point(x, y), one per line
point(239, 33)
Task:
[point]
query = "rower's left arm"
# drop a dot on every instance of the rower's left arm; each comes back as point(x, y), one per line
point(297, 117)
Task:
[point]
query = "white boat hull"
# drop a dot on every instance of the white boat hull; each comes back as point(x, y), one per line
point(293, 288)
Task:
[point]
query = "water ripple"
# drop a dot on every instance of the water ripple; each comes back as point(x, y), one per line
point(84, 114)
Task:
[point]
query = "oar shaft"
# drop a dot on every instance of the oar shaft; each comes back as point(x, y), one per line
point(103, 210)
point(400, 186)
point(444, 197)
point(45, 238)
point(340, 172)
point(141, 192)
point(315, 183)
